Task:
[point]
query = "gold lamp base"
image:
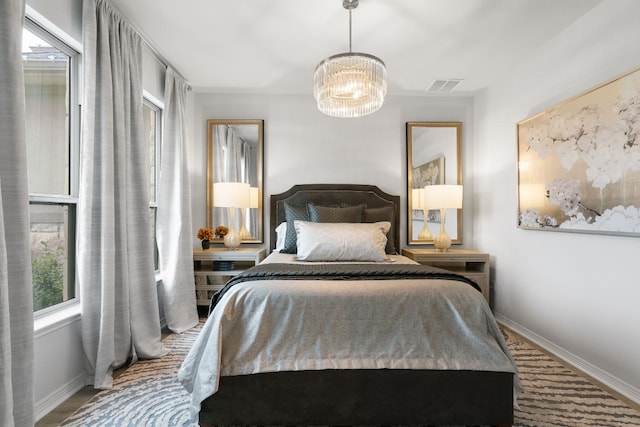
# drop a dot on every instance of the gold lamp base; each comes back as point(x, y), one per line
point(425, 234)
point(232, 239)
point(244, 232)
point(442, 241)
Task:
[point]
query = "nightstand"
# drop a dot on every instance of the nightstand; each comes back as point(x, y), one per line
point(471, 264)
point(212, 268)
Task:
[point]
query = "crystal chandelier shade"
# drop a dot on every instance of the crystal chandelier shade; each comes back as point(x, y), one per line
point(350, 84)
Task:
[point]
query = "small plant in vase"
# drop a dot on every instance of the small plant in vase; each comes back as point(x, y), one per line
point(206, 235)
point(221, 231)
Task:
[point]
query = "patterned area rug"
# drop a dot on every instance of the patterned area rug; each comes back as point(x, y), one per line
point(553, 395)
point(149, 395)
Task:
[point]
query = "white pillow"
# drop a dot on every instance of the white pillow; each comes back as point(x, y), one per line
point(320, 241)
point(281, 233)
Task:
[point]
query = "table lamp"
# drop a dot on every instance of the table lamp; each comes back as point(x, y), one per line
point(253, 203)
point(418, 203)
point(443, 197)
point(231, 195)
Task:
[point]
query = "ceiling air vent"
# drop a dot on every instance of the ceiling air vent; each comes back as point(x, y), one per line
point(444, 86)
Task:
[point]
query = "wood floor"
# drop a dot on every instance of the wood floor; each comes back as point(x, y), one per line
point(69, 406)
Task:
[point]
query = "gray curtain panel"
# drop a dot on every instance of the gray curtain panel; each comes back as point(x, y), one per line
point(120, 313)
point(175, 240)
point(16, 295)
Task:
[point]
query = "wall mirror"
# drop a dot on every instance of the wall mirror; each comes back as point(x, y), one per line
point(433, 157)
point(235, 155)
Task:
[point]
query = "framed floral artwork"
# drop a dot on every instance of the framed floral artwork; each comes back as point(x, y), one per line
point(579, 162)
point(429, 173)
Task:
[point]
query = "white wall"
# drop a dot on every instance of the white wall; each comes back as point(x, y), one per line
point(64, 14)
point(578, 291)
point(153, 73)
point(58, 363)
point(304, 146)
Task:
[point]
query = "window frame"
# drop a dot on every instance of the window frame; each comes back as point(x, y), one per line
point(73, 50)
point(157, 106)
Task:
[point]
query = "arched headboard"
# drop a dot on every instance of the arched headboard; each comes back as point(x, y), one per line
point(330, 195)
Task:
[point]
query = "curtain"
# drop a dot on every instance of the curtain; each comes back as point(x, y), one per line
point(228, 155)
point(250, 160)
point(175, 242)
point(120, 313)
point(16, 295)
point(232, 163)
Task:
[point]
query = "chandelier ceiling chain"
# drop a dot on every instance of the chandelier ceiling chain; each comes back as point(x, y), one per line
point(350, 84)
point(351, 7)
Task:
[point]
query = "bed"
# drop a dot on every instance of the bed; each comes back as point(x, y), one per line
point(312, 337)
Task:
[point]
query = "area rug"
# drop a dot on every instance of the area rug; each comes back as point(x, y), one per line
point(149, 395)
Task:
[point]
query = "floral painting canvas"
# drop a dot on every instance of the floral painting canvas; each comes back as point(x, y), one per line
point(579, 162)
point(429, 173)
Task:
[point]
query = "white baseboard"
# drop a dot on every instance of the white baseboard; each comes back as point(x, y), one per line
point(53, 400)
point(611, 381)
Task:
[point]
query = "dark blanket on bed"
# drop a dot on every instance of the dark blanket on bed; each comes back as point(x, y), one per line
point(320, 271)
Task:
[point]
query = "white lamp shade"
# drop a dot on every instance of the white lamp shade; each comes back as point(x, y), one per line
point(254, 201)
point(231, 194)
point(443, 196)
point(417, 199)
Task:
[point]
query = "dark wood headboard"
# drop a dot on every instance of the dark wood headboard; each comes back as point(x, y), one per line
point(332, 194)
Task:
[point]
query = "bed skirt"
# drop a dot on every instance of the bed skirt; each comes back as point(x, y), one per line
point(362, 397)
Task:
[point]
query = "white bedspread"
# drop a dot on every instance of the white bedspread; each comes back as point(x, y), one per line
point(272, 325)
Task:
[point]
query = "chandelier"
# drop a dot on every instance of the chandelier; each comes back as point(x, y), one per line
point(350, 84)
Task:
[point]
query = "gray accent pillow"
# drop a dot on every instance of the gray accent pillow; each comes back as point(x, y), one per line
point(292, 213)
point(384, 214)
point(335, 214)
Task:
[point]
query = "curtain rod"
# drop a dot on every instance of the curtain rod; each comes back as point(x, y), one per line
point(162, 60)
point(157, 55)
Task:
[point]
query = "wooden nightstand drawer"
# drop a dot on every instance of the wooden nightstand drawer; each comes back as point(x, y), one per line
point(471, 264)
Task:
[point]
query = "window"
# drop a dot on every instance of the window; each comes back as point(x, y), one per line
point(152, 130)
point(50, 76)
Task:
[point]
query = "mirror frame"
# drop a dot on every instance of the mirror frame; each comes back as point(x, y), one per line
point(410, 131)
point(259, 237)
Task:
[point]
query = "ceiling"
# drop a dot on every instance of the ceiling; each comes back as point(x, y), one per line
point(273, 46)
